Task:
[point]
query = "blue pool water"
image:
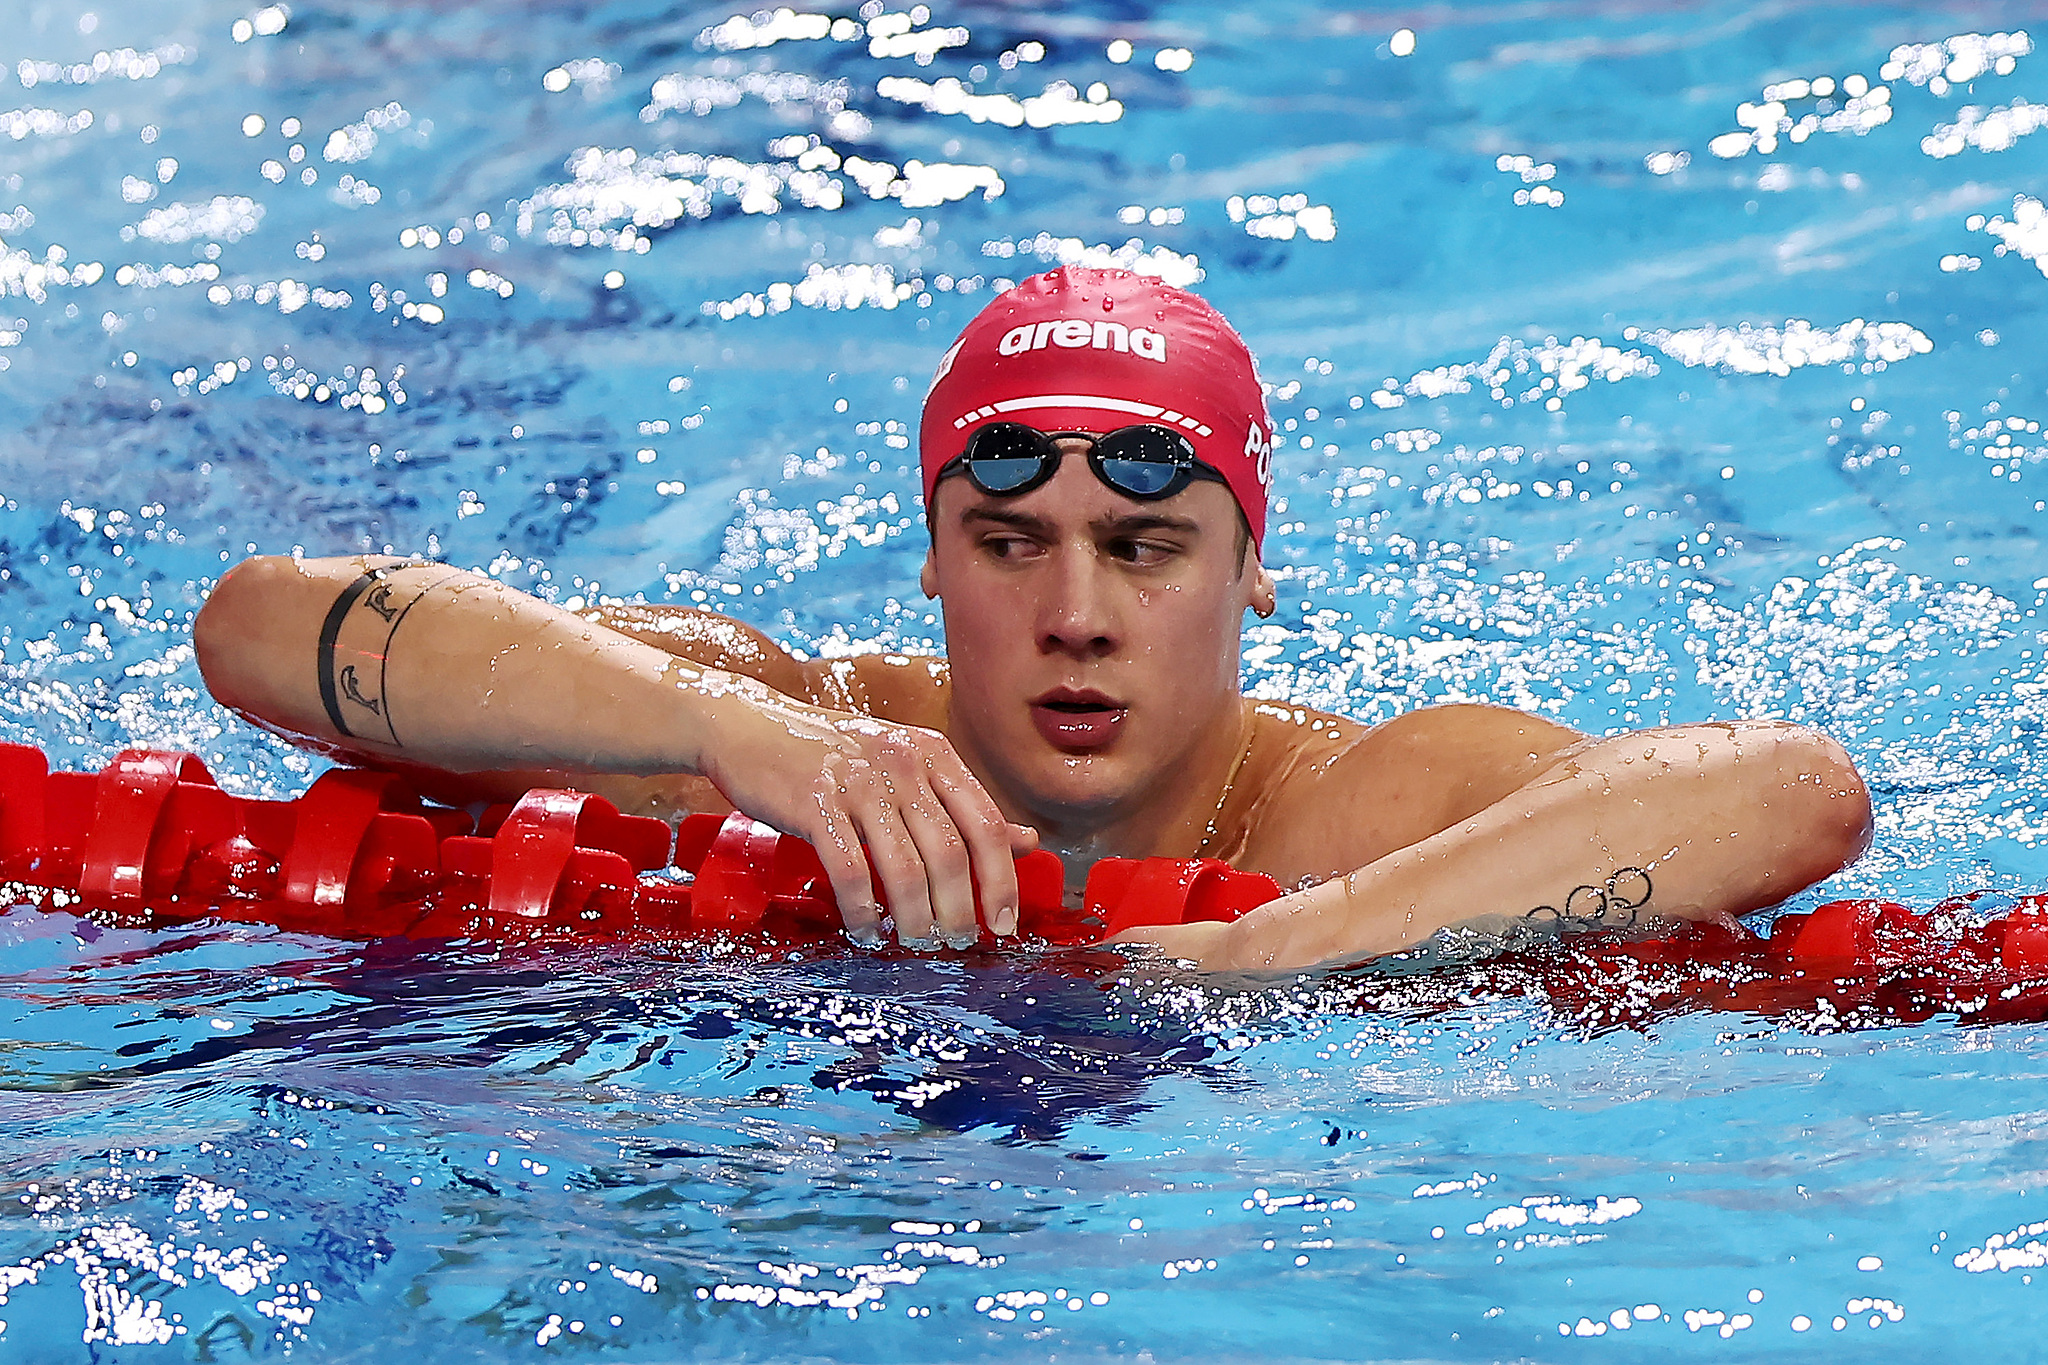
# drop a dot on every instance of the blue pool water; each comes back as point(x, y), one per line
point(1628, 373)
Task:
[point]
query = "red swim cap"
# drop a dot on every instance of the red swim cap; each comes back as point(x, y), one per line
point(1077, 349)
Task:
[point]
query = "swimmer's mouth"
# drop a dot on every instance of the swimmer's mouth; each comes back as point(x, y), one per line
point(1077, 721)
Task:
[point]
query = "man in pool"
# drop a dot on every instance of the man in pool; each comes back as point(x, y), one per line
point(1096, 457)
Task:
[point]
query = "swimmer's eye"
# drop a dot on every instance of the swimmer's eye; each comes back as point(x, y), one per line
point(1008, 547)
point(1142, 552)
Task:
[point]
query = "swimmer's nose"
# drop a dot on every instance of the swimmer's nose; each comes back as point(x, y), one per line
point(1077, 618)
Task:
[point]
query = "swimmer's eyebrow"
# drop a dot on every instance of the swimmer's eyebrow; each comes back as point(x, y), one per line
point(1130, 524)
point(1006, 516)
point(1144, 521)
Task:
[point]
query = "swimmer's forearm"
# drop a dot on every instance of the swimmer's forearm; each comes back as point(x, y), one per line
point(448, 669)
point(1688, 823)
point(435, 668)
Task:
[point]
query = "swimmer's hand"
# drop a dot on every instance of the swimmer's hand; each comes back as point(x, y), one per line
point(841, 781)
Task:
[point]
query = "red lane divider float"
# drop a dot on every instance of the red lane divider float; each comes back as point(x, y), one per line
point(1850, 963)
point(151, 838)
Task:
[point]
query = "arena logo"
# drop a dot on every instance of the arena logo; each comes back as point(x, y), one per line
point(1075, 333)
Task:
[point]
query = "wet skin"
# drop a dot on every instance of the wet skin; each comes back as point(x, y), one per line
point(1074, 589)
point(1091, 700)
point(1093, 646)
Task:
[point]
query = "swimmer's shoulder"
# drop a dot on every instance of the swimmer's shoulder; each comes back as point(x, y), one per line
point(908, 689)
point(1344, 794)
point(707, 638)
point(1464, 741)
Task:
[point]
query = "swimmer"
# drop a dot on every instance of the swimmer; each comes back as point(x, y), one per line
point(1097, 459)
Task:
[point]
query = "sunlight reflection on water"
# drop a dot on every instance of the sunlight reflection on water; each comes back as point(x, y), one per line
point(1630, 368)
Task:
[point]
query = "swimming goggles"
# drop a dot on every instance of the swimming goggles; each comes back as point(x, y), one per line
point(1146, 462)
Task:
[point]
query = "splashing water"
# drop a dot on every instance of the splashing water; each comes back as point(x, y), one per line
point(1631, 367)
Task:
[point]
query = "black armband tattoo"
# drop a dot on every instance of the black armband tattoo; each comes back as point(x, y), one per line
point(355, 647)
point(1614, 904)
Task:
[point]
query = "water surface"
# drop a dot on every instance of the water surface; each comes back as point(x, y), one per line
point(1636, 363)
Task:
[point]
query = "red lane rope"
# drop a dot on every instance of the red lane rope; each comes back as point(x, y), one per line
point(151, 837)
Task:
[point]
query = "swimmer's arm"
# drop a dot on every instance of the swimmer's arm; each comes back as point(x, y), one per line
point(906, 689)
point(431, 666)
point(1394, 784)
point(425, 667)
point(1695, 822)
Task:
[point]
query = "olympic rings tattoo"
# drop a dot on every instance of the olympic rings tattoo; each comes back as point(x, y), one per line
point(1615, 904)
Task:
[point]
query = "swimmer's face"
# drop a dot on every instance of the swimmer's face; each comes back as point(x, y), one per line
point(1093, 638)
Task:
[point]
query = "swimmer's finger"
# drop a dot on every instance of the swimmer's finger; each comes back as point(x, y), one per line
point(948, 870)
point(904, 881)
point(837, 841)
point(991, 844)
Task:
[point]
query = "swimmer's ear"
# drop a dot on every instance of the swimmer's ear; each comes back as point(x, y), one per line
point(928, 576)
point(1265, 594)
